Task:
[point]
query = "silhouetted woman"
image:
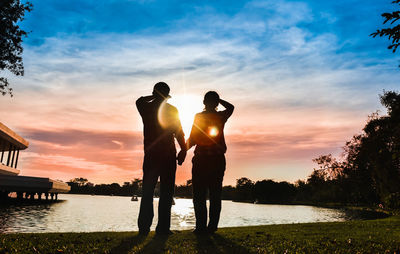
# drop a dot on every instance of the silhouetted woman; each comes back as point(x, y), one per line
point(209, 160)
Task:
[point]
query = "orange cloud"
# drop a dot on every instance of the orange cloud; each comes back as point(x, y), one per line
point(116, 156)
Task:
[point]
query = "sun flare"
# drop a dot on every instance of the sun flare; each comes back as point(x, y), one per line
point(188, 105)
point(213, 131)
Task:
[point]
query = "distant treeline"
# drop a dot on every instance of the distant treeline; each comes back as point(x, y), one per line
point(83, 186)
point(266, 191)
point(368, 172)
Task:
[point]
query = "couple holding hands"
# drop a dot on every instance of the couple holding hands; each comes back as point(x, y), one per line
point(161, 126)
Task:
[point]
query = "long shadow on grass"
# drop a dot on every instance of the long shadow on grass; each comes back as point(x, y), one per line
point(215, 243)
point(155, 245)
point(128, 244)
point(205, 244)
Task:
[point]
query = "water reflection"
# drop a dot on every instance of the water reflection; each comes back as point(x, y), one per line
point(82, 213)
point(24, 218)
point(182, 213)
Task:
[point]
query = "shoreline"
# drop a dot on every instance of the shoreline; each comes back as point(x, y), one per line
point(380, 235)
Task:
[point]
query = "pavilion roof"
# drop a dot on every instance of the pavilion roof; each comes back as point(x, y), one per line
point(7, 137)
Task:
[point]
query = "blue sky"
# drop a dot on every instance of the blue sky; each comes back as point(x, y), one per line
point(303, 75)
point(227, 19)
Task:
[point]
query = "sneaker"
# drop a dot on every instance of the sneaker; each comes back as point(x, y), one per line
point(144, 232)
point(164, 232)
point(211, 230)
point(199, 231)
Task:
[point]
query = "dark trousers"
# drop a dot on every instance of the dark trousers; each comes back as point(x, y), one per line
point(154, 166)
point(207, 175)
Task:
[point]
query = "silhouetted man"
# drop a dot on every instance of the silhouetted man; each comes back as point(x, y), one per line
point(209, 160)
point(161, 125)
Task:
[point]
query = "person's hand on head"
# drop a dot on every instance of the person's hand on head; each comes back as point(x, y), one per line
point(181, 157)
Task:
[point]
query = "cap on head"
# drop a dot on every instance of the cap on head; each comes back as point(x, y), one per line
point(161, 90)
point(211, 99)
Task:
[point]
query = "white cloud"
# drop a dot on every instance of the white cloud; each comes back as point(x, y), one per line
point(97, 76)
point(273, 68)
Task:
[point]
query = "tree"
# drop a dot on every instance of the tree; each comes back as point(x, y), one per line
point(329, 167)
point(228, 192)
point(269, 191)
point(370, 170)
point(244, 189)
point(137, 186)
point(184, 190)
point(79, 181)
point(393, 33)
point(381, 144)
point(11, 12)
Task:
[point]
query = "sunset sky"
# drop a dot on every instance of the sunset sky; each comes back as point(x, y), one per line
point(303, 76)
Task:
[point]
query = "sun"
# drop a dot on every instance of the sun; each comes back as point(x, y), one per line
point(188, 105)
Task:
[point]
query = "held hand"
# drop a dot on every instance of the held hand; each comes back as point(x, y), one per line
point(181, 157)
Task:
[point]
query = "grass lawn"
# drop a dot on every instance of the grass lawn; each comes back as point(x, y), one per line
point(368, 236)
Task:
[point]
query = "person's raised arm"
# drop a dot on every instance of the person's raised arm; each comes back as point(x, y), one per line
point(228, 108)
point(142, 101)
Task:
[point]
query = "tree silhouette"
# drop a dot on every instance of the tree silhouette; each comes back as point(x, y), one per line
point(79, 181)
point(244, 189)
point(11, 12)
point(370, 170)
point(381, 144)
point(393, 33)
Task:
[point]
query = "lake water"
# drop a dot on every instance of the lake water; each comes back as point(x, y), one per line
point(84, 213)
